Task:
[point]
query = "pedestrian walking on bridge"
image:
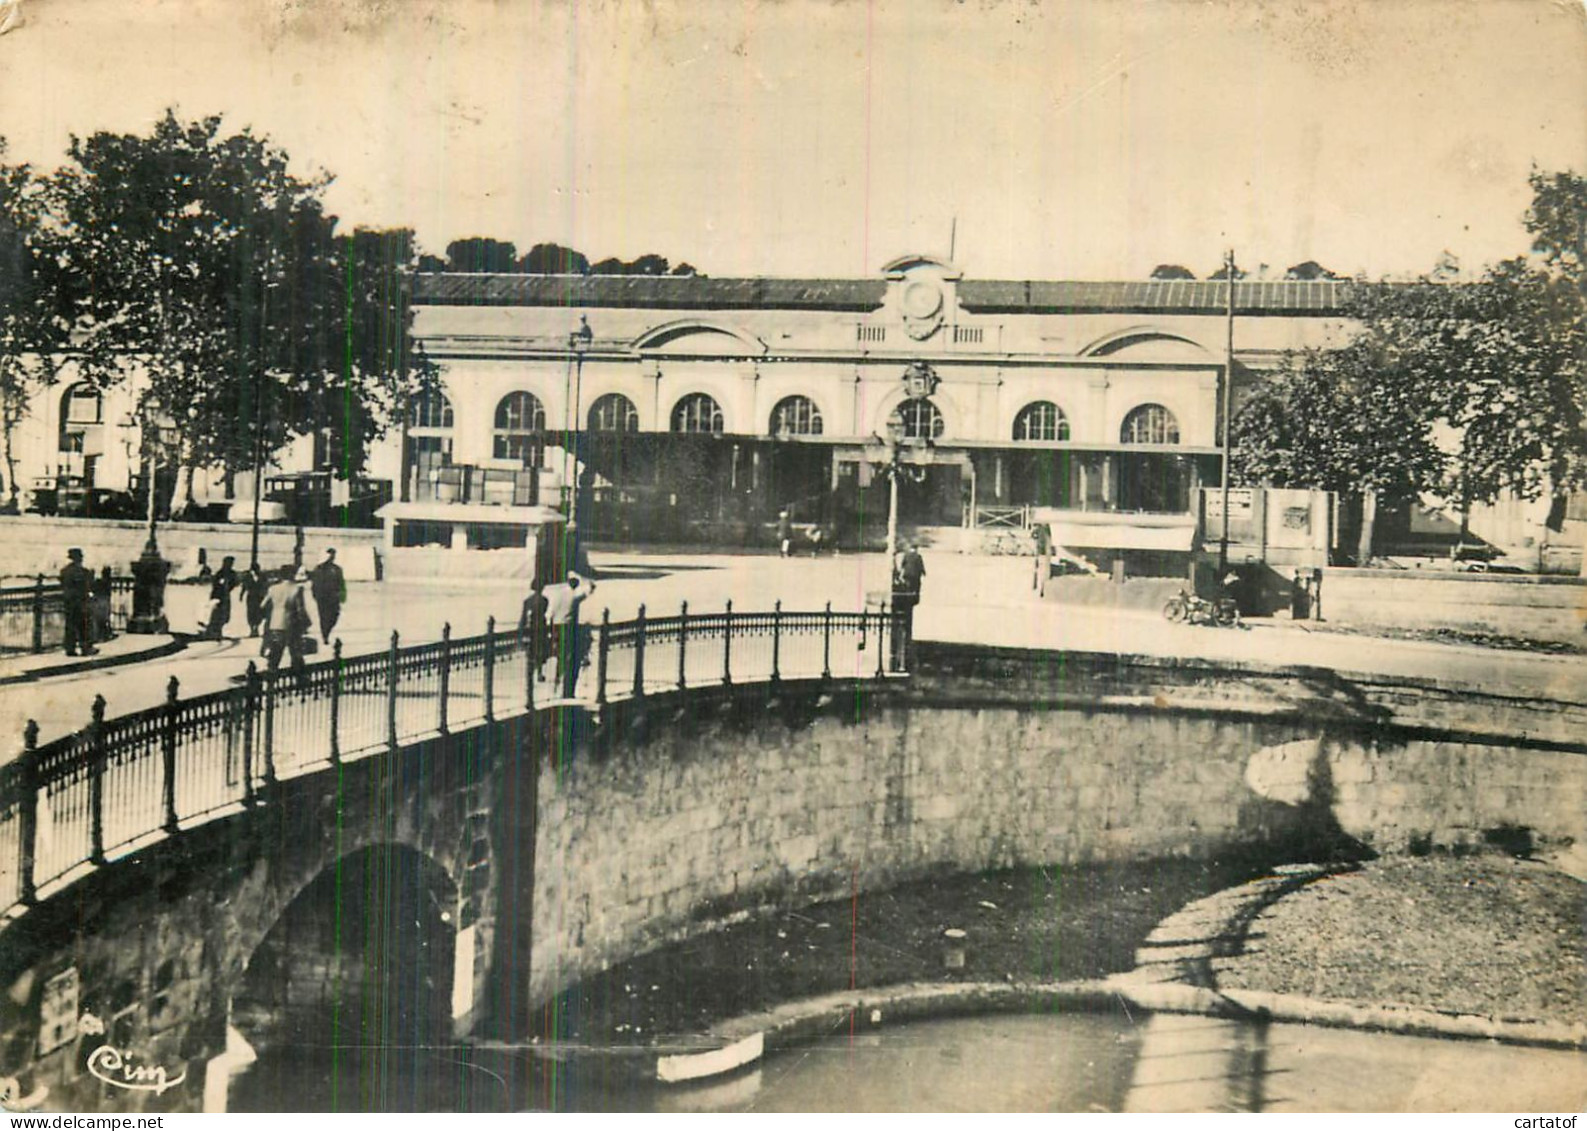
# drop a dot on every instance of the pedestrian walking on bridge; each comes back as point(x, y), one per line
point(286, 620)
point(568, 635)
point(330, 591)
point(254, 584)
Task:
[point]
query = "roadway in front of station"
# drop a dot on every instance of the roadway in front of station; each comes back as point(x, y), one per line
point(985, 600)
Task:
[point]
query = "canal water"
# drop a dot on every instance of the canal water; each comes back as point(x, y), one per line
point(1051, 1062)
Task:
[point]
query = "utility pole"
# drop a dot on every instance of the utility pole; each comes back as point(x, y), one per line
point(1228, 392)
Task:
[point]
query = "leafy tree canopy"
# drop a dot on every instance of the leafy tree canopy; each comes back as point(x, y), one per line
point(553, 259)
point(198, 260)
point(1492, 369)
point(481, 255)
point(1172, 271)
point(29, 333)
point(1558, 222)
point(1339, 421)
point(1309, 271)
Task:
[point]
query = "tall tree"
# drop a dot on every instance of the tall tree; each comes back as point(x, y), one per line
point(29, 330)
point(1493, 370)
point(481, 255)
point(553, 259)
point(1500, 363)
point(200, 263)
point(1308, 271)
point(1172, 271)
point(1339, 421)
point(1558, 223)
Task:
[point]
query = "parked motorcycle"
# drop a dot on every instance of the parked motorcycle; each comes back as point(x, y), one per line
point(1187, 608)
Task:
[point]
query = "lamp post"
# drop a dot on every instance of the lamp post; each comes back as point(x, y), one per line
point(893, 466)
point(1228, 387)
point(578, 341)
point(150, 570)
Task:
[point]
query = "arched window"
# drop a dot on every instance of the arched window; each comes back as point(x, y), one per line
point(1041, 420)
point(430, 410)
point(614, 413)
point(82, 411)
point(698, 412)
point(796, 416)
point(520, 424)
point(921, 419)
point(1150, 424)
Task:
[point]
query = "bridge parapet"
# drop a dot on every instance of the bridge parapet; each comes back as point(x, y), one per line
point(123, 783)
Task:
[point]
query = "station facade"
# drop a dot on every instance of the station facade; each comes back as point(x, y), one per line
point(679, 408)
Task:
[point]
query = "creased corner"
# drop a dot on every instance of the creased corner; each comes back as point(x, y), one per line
point(10, 15)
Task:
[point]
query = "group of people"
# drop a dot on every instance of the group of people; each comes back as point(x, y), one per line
point(552, 624)
point(85, 601)
point(326, 583)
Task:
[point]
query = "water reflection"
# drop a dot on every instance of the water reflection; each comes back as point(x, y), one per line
point(1058, 1062)
point(1069, 1062)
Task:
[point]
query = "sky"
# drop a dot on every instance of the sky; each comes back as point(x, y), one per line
point(1081, 139)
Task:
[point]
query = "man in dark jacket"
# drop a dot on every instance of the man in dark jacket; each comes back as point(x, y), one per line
point(75, 583)
point(330, 590)
point(221, 585)
point(254, 585)
point(907, 576)
point(534, 624)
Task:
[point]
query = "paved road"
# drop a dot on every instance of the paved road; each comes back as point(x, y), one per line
point(965, 599)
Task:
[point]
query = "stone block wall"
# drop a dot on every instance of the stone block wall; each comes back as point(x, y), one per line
point(34, 544)
point(647, 841)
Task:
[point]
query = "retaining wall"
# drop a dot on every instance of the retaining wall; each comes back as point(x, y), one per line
point(1536, 607)
point(668, 830)
point(34, 544)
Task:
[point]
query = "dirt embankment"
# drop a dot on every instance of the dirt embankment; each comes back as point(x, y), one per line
point(1487, 935)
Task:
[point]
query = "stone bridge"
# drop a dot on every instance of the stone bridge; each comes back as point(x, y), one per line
point(206, 878)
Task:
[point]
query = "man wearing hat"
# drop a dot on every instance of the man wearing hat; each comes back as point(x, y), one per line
point(75, 584)
point(329, 587)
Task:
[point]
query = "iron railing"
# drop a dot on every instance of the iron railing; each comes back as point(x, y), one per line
point(122, 783)
point(33, 617)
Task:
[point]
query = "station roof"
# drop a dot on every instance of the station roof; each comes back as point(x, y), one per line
point(979, 296)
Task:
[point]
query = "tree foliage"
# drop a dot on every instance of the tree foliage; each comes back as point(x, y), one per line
point(1172, 271)
point(1336, 420)
point(1470, 390)
point(199, 261)
point(29, 332)
point(481, 255)
point(1499, 363)
point(1558, 223)
point(1309, 271)
point(553, 259)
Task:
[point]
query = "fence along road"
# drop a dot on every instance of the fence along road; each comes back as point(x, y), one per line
point(33, 617)
point(123, 783)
